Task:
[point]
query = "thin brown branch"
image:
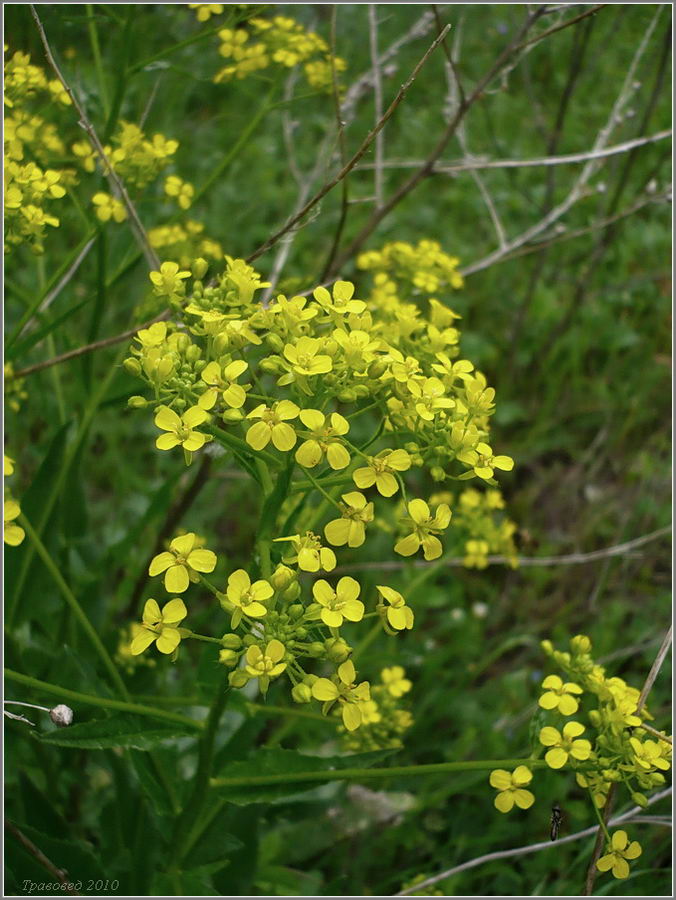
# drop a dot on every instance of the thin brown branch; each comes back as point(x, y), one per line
point(368, 140)
point(655, 670)
point(657, 734)
point(60, 874)
point(424, 171)
point(629, 815)
point(89, 348)
point(561, 26)
point(377, 102)
point(116, 182)
point(568, 559)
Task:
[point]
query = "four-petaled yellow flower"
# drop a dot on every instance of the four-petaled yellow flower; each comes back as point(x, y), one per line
point(108, 207)
point(425, 527)
point(395, 682)
point(181, 429)
point(619, 851)
point(325, 440)
point(510, 786)
point(350, 528)
point(205, 11)
point(223, 379)
point(346, 692)
point(564, 745)
point(247, 598)
point(273, 426)
point(559, 695)
point(308, 552)
point(168, 282)
point(182, 562)
point(265, 664)
point(429, 397)
point(340, 603)
point(13, 533)
point(650, 755)
point(181, 191)
point(342, 301)
point(160, 627)
point(396, 613)
point(483, 462)
point(380, 469)
point(305, 357)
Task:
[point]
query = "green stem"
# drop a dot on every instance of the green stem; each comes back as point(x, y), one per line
point(138, 709)
point(597, 811)
point(193, 808)
point(321, 489)
point(204, 637)
point(367, 640)
point(231, 442)
point(75, 607)
point(387, 772)
point(96, 52)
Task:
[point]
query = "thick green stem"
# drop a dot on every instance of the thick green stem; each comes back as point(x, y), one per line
point(193, 808)
point(388, 772)
point(63, 694)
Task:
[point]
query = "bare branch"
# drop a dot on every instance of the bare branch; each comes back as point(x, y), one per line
point(368, 140)
point(378, 102)
point(116, 182)
point(569, 559)
point(655, 670)
point(60, 874)
point(531, 848)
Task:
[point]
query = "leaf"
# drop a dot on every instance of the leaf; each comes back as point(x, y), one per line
point(117, 731)
point(214, 845)
point(279, 762)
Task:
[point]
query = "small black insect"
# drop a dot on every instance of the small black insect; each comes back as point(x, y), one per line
point(557, 818)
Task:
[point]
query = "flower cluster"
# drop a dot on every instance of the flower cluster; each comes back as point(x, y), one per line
point(280, 41)
point(607, 742)
point(425, 267)
point(33, 150)
point(284, 389)
point(485, 529)
point(184, 242)
point(13, 533)
point(384, 721)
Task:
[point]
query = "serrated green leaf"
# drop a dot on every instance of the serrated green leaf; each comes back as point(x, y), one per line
point(117, 731)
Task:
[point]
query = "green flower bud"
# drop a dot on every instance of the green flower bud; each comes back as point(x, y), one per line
point(330, 347)
point(231, 641)
point(274, 342)
point(296, 611)
point(273, 365)
point(137, 402)
point(301, 693)
point(232, 416)
point(580, 645)
point(238, 678)
point(193, 353)
point(282, 577)
point(315, 649)
point(199, 267)
point(228, 657)
point(437, 473)
point(377, 368)
point(548, 647)
point(292, 592)
point(640, 800)
point(199, 365)
point(133, 366)
point(337, 649)
point(249, 640)
point(221, 342)
point(411, 447)
point(361, 391)
point(180, 403)
point(347, 396)
point(182, 341)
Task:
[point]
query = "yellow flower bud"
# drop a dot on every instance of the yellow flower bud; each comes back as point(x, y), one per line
point(302, 693)
point(580, 645)
point(228, 658)
point(274, 342)
point(133, 366)
point(199, 268)
point(231, 641)
point(232, 416)
point(238, 678)
point(137, 402)
point(337, 649)
point(282, 577)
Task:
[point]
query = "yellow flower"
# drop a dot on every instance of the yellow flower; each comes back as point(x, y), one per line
point(9, 465)
point(308, 552)
point(272, 426)
point(305, 357)
point(398, 615)
point(180, 429)
point(559, 695)
point(564, 745)
point(342, 301)
point(650, 755)
point(204, 11)
point(619, 851)
point(13, 533)
point(425, 527)
point(153, 336)
point(380, 469)
point(265, 664)
point(483, 462)
point(223, 379)
point(429, 397)
point(339, 604)
point(475, 554)
point(511, 788)
point(325, 440)
point(247, 598)
point(395, 682)
point(350, 528)
point(182, 562)
point(168, 282)
point(108, 207)
point(346, 692)
point(160, 626)
point(181, 190)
